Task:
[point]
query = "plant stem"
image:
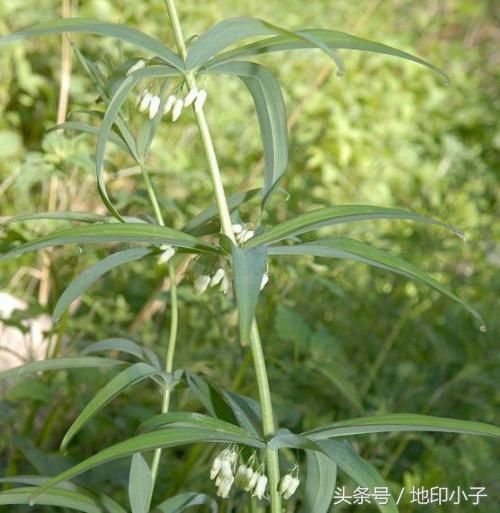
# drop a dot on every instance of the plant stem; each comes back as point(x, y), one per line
point(174, 319)
point(225, 219)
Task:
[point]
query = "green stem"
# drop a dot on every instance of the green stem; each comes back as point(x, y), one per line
point(225, 219)
point(174, 319)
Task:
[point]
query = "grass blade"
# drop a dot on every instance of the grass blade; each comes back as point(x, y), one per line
point(320, 482)
point(83, 217)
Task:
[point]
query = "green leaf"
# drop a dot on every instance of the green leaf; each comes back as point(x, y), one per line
point(122, 32)
point(90, 275)
point(339, 214)
point(359, 470)
point(271, 112)
point(321, 477)
point(140, 485)
point(182, 501)
point(192, 419)
point(246, 410)
point(249, 266)
point(112, 114)
point(402, 422)
point(108, 504)
point(55, 497)
point(207, 221)
point(168, 437)
point(332, 38)
point(339, 247)
point(78, 126)
point(233, 30)
point(127, 378)
point(82, 362)
point(84, 217)
point(120, 232)
point(126, 346)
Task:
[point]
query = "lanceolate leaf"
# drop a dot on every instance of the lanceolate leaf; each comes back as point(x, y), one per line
point(128, 377)
point(181, 502)
point(249, 267)
point(126, 346)
point(194, 420)
point(359, 470)
point(88, 277)
point(338, 215)
point(320, 482)
point(82, 362)
point(121, 232)
point(339, 247)
point(168, 437)
point(140, 485)
point(332, 38)
point(83, 217)
point(233, 30)
point(123, 32)
point(111, 116)
point(402, 422)
point(54, 497)
point(271, 112)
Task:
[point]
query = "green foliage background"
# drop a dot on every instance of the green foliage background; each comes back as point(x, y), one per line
point(342, 340)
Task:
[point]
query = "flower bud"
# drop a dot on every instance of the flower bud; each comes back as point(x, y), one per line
point(201, 283)
point(177, 109)
point(200, 99)
point(154, 105)
point(251, 479)
point(168, 253)
point(191, 97)
point(224, 285)
point(169, 103)
point(225, 487)
point(237, 228)
point(292, 487)
point(285, 483)
point(217, 277)
point(265, 279)
point(146, 100)
point(214, 471)
point(244, 236)
point(137, 66)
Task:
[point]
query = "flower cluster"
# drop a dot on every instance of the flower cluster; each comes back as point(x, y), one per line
point(219, 278)
point(251, 480)
point(174, 105)
point(288, 485)
point(222, 471)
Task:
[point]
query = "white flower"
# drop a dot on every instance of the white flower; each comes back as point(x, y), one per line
point(214, 471)
point(201, 283)
point(237, 228)
point(224, 285)
point(177, 109)
point(252, 478)
point(200, 99)
point(169, 103)
point(260, 487)
point(137, 66)
point(168, 253)
point(190, 97)
point(154, 105)
point(140, 96)
point(264, 281)
point(225, 487)
point(217, 277)
point(146, 100)
point(240, 477)
point(285, 483)
point(292, 487)
point(245, 235)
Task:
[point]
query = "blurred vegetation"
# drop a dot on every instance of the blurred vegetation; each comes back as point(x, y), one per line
point(341, 340)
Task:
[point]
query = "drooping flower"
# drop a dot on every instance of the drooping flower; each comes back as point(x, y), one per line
point(201, 283)
point(177, 109)
point(260, 487)
point(154, 105)
point(137, 66)
point(224, 285)
point(265, 279)
point(201, 97)
point(288, 485)
point(217, 277)
point(169, 104)
point(190, 97)
point(237, 228)
point(145, 101)
point(168, 253)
